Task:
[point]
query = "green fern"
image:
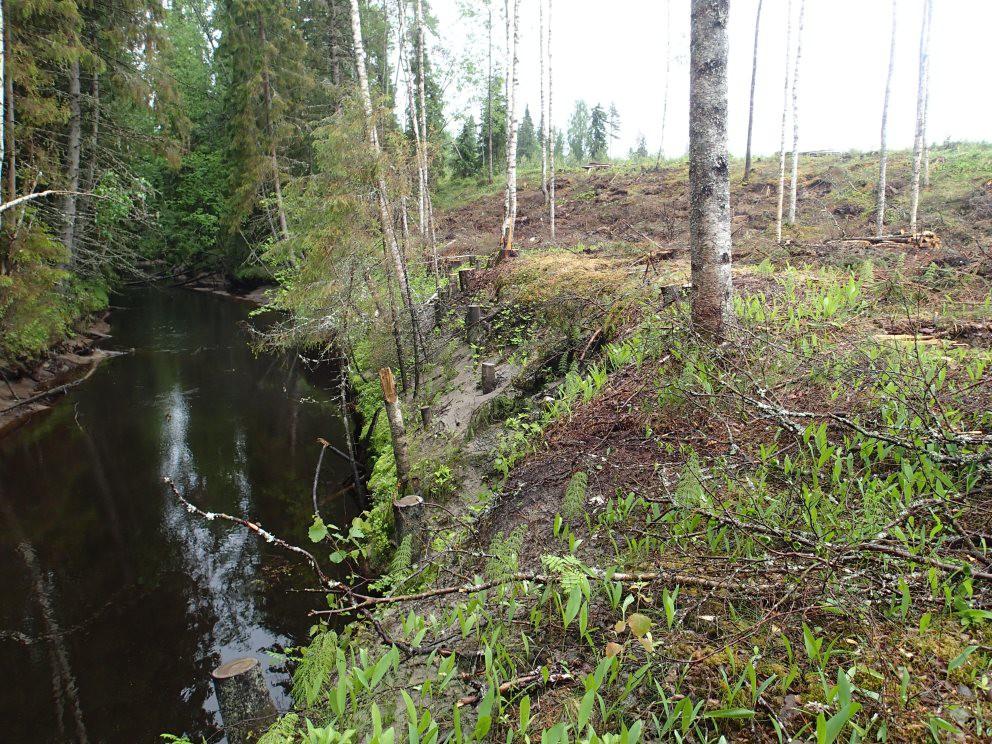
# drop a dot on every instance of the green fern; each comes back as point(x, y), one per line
point(316, 664)
point(570, 571)
point(283, 731)
point(505, 553)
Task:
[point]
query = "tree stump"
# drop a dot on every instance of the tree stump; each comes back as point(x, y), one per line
point(246, 706)
point(488, 377)
point(426, 416)
point(465, 277)
point(408, 521)
point(473, 317)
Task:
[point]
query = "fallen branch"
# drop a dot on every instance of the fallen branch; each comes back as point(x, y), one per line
point(52, 391)
point(526, 680)
point(326, 582)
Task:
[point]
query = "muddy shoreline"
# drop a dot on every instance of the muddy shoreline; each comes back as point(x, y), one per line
point(73, 360)
point(23, 397)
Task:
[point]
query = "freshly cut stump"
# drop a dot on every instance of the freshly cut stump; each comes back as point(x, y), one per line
point(246, 706)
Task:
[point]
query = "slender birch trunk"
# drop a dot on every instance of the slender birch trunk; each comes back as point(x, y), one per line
point(385, 218)
point(4, 42)
point(794, 182)
point(425, 162)
point(404, 67)
point(8, 93)
point(668, 67)
point(72, 169)
point(544, 131)
point(551, 129)
point(509, 114)
point(918, 142)
point(785, 110)
point(509, 222)
point(883, 153)
point(750, 108)
point(709, 174)
point(926, 114)
point(489, 93)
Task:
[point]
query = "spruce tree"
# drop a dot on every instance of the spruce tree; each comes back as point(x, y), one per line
point(466, 160)
point(578, 132)
point(598, 136)
point(528, 146)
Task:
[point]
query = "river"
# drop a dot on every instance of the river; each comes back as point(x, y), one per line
point(117, 602)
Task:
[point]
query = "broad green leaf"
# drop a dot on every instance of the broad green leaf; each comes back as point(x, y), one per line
point(639, 624)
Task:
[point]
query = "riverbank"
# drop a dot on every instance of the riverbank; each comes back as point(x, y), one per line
point(642, 531)
point(65, 366)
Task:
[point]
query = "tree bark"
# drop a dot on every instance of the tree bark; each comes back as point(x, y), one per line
point(489, 93)
point(918, 142)
point(709, 174)
point(396, 428)
point(246, 706)
point(72, 164)
point(668, 67)
point(785, 109)
point(750, 109)
point(883, 153)
point(7, 146)
point(544, 131)
point(425, 164)
point(385, 219)
point(794, 182)
point(510, 218)
point(551, 129)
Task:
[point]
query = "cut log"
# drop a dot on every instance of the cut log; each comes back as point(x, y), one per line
point(246, 706)
point(408, 521)
point(926, 239)
point(473, 321)
point(488, 377)
point(396, 429)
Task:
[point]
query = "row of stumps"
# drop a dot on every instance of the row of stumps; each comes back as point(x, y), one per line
point(246, 706)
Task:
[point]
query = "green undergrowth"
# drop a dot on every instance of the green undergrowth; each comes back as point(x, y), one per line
point(800, 563)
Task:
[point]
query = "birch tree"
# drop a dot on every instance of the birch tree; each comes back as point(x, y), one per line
point(785, 110)
point(883, 153)
point(70, 200)
point(544, 132)
point(668, 68)
point(510, 215)
point(750, 108)
point(382, 197)
point(551, 130)
point(489, 92)
point(425, 162)
point(918, 142)
point(709, 175)
point(794, 182)
point(3, 101)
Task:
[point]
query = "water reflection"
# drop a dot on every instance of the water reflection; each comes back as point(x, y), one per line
point(118, 602)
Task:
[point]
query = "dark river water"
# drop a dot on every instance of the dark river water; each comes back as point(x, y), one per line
point(115, 603)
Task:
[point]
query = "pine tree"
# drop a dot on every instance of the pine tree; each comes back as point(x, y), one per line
point(640, 150)
point(598, 133)
point(578, 132)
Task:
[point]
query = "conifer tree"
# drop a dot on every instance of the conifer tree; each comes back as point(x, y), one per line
point(598, 133)
point(578, 132)
point(527, 145)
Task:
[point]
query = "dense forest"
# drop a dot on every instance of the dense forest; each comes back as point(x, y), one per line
point(646, 445)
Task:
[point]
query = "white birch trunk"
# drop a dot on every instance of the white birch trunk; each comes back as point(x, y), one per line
point(926, 112)
point(425, 161)
point(794, 182)
point(750, 108)
point(918, 142)
point(385, 221)
point(709, 173)
point(3, 100)
point(785, 109)
point(544, 131)
point(551, 129)
point(668, 67)
point(883, 153)
point(509, 222)
point(72, 169)
point(489, 93)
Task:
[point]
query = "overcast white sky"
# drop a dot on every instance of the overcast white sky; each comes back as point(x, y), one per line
point(613, 51)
